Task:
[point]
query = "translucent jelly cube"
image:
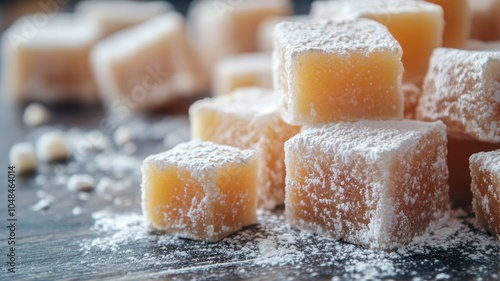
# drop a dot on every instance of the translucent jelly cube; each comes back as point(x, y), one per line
point(457, 18)
point(377, 184)
point(459, 151)
point(485, 173)
point(337, 70)
point(462, 90)
point(50, 63)
point(244, 70)
point(417, 25)
point(485, 20)
point(222, 28)
point(147, 66)
point(249, 119)
point(478, 45)
point(200, 190)
point(113, 16)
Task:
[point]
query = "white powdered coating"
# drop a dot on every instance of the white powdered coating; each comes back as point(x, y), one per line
point(53, 146)
point(257, 66)
point(488, 161)
point(251, 102)
point(249, 118)
point(485, 174)
point(22, 157)
point(382, 9)
point(35, 114)
point(462, 89)
point(199, 157)
point(368, 155)
point(203, 162)
point(249, 252)
point(342, 38)
point(60, 31)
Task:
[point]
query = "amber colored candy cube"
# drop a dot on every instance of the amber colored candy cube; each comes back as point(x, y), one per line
point(222, 28)
point(462, 90)
point(417, 25)
point(457, 18)
point(147, 66)
point(249, 119)
point(330, 71)
point(459, 152)
point(377, 184)
point(49, 63)
point(485, 174)
point(200, 190)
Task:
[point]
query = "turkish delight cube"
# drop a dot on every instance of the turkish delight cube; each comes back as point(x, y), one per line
point(330, 71)
point(417, 25)
point(249, 119)
point(462, 90)
point(200, 190)
point(377, 184)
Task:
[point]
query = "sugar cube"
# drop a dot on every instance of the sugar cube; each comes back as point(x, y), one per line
point(147, 66)
point(417, 25)
point(337, 70)
point(200, 190)
point(49, 62)
point(113, 16)
point(244, 70)
point(462, 89)
point(377, 184)
point(249, 119)
point(485, 173)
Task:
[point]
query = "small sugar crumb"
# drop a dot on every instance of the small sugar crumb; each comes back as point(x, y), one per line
point(81, 183)
point(43, 204)
point(76, 211)
point(123, 136)
point(22, 157)
point(35, 115)
point(53, 146)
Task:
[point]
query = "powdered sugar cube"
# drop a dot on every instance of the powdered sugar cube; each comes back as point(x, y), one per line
point(337, 70)
point(417, 25)
point(462, 89)
point(485, 173)
point(373, 183)
point(200, 190)
point(249, 119)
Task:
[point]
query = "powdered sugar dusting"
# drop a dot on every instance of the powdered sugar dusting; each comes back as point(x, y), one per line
point(274, 245)
point(461, 89)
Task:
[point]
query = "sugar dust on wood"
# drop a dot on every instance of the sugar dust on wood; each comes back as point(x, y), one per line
point(272, 244)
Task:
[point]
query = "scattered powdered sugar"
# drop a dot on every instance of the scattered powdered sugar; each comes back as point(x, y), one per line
point(273, 244)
